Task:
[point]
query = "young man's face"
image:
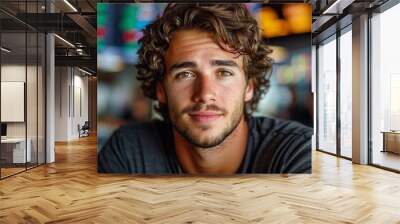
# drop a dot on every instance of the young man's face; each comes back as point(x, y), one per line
point(205, 88)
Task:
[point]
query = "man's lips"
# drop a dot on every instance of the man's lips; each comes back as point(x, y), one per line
point(205, 116)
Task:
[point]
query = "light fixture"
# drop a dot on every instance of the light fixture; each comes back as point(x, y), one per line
point(5, 49)
point(64, 40)
point(79, 51)
point(70, 5)
point(84, 71)
point(337, 7)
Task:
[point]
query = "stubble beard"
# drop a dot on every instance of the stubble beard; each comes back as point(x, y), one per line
point(190, 134)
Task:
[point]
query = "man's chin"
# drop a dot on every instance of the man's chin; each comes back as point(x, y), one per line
point(205, 143)
point(202, 137)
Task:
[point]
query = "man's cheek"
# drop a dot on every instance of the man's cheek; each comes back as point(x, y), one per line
point(175, 103)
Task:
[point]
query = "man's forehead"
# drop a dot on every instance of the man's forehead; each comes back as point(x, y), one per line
point(187, 43)
point(192, 38)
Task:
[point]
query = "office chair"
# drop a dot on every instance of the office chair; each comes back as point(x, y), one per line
point(84, 130)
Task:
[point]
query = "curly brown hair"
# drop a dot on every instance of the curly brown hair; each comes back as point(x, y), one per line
point(234, 30)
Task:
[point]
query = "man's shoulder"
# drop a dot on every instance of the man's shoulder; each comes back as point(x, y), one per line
point(280, 146)
point(269, 125)
point(136, 148)
point(137, 134)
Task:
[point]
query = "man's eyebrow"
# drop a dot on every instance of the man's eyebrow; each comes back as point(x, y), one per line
point(185, 64)
point(191, 64)
point(224, 63)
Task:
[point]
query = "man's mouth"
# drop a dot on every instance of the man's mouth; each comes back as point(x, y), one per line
point(205, 116)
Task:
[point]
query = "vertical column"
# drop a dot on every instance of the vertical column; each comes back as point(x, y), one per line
point(360, 90)
point(50, 92)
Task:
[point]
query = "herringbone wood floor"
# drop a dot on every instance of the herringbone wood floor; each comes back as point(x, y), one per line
point(71, 191)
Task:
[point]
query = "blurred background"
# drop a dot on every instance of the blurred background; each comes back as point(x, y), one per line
point(286, 28)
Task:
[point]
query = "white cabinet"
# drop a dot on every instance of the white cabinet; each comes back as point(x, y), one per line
point(17, 145)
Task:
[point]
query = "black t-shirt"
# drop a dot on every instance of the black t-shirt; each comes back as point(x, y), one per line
point(273, 146)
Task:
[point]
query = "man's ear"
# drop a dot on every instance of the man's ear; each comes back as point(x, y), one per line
point(160, 93)
point(249, 91)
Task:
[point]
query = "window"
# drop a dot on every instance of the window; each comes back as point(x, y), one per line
point(385, 88)
point(327, 96)
point(346, 93)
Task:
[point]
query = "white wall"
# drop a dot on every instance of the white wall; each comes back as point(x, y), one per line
point(61, 103)
point(12, 73)
point(71, 94)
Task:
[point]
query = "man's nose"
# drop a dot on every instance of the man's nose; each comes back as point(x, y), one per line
point(204, 89)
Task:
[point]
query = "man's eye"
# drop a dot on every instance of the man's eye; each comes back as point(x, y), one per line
point(184, 75)
point(225, 73)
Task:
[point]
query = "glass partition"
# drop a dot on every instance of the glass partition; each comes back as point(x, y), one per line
point(31, 97)
point(32, 100)
point(22, 77)
point(41, 110)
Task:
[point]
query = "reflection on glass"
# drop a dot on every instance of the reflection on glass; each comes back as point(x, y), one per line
point(346, 94)
point(14, 146)
point(327, 96)
point(385, 89)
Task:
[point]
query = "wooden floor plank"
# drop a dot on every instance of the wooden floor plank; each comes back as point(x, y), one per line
point(71, 191)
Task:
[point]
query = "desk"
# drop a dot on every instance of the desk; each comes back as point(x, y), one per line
point(391, 141)
point(16, 147)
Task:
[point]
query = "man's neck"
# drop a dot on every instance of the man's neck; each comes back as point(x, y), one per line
point(222, 159)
